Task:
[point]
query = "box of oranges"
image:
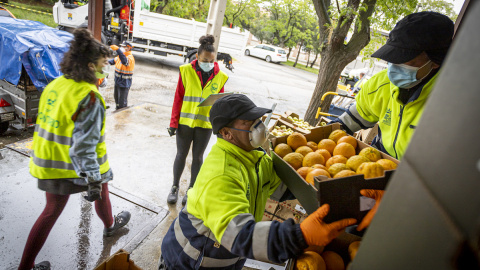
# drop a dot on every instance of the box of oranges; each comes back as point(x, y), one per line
point(329, 166)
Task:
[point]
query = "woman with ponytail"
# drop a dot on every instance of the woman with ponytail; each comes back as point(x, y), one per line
point(198, 80)
point(69, 151)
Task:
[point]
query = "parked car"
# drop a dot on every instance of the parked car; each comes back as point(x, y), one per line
point(268, 52)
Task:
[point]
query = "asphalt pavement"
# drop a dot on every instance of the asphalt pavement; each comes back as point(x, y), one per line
point(141, 155)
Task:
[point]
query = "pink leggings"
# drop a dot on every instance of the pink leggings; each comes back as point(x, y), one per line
point(46, 220)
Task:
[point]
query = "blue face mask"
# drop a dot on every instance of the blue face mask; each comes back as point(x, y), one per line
point(404, 76)
point(205, 66)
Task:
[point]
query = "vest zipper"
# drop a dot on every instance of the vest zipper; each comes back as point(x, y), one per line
point(258, 185)
point(398, 129)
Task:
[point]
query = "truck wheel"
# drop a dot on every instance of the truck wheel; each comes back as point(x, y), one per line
point(192, 57)
point(4, 127)
point(247, 52)
point(268, 59)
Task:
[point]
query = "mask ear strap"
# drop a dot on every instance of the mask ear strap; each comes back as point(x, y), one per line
point(241, 129)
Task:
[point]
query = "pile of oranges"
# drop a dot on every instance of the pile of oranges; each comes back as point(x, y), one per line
point(334, 157)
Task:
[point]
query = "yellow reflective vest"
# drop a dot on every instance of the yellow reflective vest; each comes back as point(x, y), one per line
point(190, 114)
point(54, 128)
point(378, 102)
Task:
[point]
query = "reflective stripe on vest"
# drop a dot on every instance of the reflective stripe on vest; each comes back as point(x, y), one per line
point(190, 114)
point(194, 253)
point(52, 138)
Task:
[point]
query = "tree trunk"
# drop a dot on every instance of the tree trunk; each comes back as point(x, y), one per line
point(308, 59)
point(330, 68)
point(288, 54)
point(314, 60)
point(298, 54)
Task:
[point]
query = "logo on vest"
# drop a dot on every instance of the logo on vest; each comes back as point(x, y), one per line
point(51, 99)
point(214, 87)
point(248, 192)
point(387, 119)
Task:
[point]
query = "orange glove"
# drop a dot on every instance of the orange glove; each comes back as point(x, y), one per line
point(318, 233)
point(114, 47)
point(377, 196)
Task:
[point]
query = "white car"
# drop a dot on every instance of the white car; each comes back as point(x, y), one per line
point(268, 52)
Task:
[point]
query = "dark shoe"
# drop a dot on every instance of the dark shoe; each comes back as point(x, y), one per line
point(173, 196)
point(120, 220)
point(45, 265)
point(184, 200)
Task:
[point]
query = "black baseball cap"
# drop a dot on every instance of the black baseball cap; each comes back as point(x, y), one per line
point(126, 44)
point(427, 31)
point(231, 107)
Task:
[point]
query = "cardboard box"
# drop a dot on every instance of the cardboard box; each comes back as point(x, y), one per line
point(285, 116)
point(323, 121)
point(342, 194)
point(366, 135)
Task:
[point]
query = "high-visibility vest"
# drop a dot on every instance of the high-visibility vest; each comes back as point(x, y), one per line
point(126, 71)
point(190, 114)
point(54, 128)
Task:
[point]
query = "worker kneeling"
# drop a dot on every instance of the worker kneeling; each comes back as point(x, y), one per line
point(220, 225)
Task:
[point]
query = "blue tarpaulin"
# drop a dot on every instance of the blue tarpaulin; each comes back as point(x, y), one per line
point(39, 48)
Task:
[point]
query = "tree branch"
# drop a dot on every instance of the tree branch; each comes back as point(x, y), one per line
point(361, 37)
point(338, 7)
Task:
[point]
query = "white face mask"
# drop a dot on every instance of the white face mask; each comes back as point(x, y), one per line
point(258, 133)
point(101, 74)
point(205, 66)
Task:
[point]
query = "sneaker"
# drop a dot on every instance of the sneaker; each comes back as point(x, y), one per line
point(45, 265)
point(120, 220)
point(173, 196)
point(184, 200)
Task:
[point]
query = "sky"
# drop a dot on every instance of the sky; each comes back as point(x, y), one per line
point(457, 5)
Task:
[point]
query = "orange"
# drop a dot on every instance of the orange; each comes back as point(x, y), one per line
point(317, 249)
point(344, 149)
point(348, 139)
point(313, 158)
point(327, 144)
point(316, 172)
point(336, 168)
point(336, 159)
point(283, 149)
point(333, 261)
point(294, 159)
point(355, 161)
point(353, 248)
point(312, 145)
point(370, 170)
point(371, 153)
point(296, 140)
point(344, 173)
point(336, 135)
point(310, 260)
point(326, 155)
point(387, 164)
point(304, 150)
point(303, 171)
point(317, 166)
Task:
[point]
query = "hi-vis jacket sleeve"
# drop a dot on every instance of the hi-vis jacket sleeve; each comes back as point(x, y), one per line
point(230, 220)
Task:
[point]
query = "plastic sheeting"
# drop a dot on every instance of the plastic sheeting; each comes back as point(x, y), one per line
point(39, 48)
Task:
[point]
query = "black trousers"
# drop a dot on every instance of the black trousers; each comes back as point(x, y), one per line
point(120, 94)
point(185, 137)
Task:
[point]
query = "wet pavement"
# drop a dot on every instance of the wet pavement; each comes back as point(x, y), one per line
point(141, 155)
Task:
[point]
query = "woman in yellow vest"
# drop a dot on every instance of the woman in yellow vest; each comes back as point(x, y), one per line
point(69, 152)
point(198, 80)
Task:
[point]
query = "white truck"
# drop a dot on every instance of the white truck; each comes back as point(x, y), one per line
point(149, 32)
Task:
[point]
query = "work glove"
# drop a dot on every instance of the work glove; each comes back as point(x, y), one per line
point(94, 190)
point(318, 233)
point(114, 47)
point(377, 196)
point(172, 131)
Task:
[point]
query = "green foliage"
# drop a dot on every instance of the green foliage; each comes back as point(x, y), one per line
point(28, 15)
point(290, 63)
point(187, 9)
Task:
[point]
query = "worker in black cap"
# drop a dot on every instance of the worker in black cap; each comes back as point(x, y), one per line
point(124, 65)
point(221, 225)
point(395, 98)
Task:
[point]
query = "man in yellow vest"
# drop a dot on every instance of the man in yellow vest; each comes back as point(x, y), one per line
point(124, 65)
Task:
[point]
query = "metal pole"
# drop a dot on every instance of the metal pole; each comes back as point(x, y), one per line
point(215, 20)
point(95, 11)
